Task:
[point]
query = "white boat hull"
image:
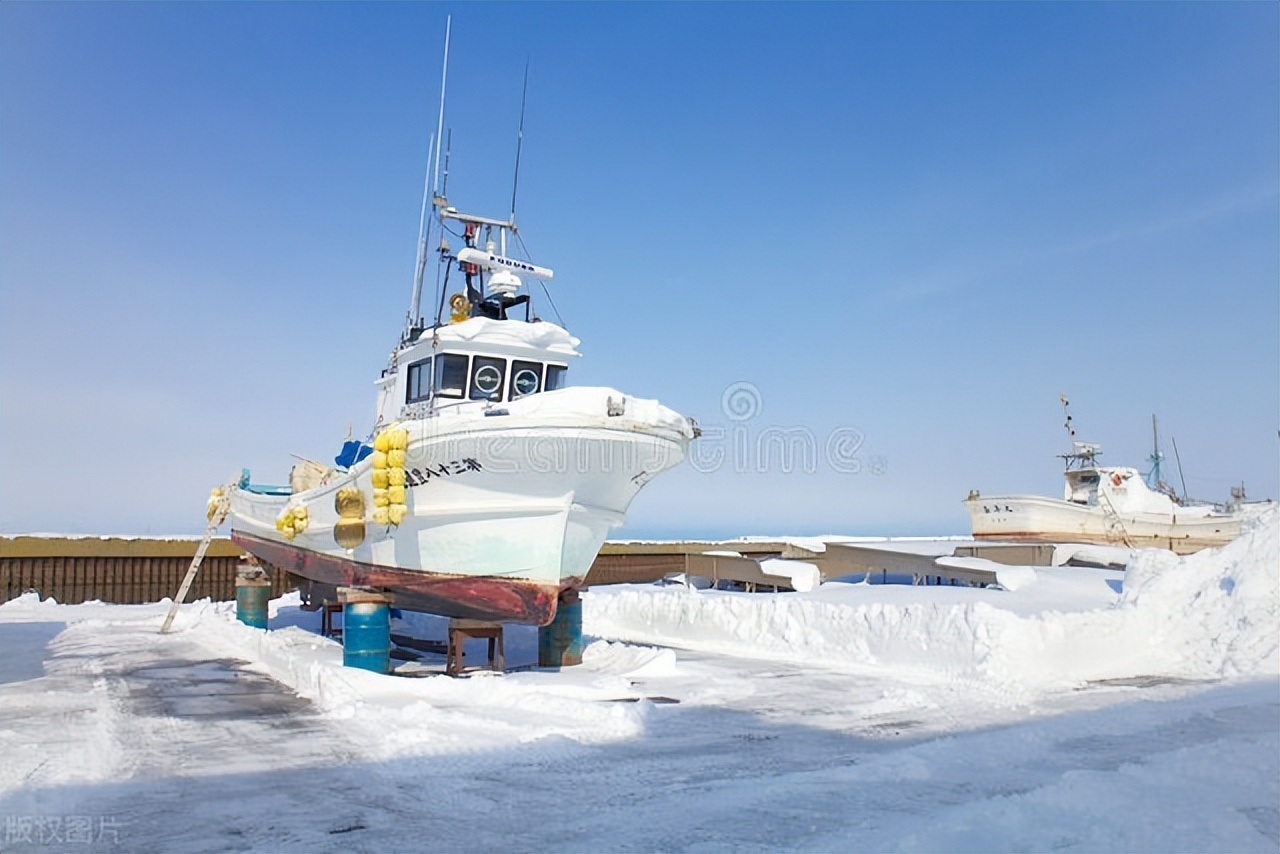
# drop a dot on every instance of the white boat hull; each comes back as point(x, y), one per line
point(506, 505)
point(1040, 519)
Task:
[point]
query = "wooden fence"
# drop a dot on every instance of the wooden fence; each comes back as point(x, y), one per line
point(120, 571)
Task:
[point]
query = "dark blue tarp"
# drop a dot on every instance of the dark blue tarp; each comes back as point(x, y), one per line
point(353, 451)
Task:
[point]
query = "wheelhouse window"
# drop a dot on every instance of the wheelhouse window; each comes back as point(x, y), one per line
point(487, 376)
point(419, 382)
point(526, 379)
point(451, 375)
point(555, 377)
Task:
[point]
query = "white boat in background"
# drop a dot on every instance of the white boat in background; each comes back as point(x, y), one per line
point(1109, 505)
point(487, 484)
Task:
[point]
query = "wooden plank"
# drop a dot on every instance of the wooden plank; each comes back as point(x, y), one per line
point(26, 579)
point(17, 572)
point(73, 575)
point(146, 581)
point(49, 579)
point(107, 579)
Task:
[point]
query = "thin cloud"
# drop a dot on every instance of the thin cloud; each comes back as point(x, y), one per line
point(959, 275)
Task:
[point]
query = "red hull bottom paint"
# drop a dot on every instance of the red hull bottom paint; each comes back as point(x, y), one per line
point(462, 596)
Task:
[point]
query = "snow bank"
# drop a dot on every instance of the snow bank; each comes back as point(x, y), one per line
point(1208, 615)
point(434, 714)
point(1215, 612)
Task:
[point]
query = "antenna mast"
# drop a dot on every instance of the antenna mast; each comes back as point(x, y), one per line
point(1178, 458)
point(424, 224)
point(420, 263)
point(1081, 453)
point(448, 150)
point(1154, 478)
point(1066, 411)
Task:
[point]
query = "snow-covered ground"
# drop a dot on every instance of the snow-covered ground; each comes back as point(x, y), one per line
point(1076, 710)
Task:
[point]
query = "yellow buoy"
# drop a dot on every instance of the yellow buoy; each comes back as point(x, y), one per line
point(349, 503)
point(349, 533)
point(215, 498)
point(394, 477)
point(349, 530)
point(382, 477)
point(381, 516)
point(395, 458)
point(397, 512)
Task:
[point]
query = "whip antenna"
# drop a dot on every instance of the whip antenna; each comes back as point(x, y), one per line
point(444, 75)
point(515, 180)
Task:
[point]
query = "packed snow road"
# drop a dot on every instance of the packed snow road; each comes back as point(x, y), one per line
point(164, 748)
point(1072, 714)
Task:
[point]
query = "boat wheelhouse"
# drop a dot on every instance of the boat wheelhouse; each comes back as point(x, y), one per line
point(494, 361)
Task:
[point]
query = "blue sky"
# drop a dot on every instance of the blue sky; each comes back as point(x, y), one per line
point(914, 223)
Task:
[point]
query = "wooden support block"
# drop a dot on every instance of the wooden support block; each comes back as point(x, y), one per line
point(359, 595)
point(460, 630)
point(327, 610)
point(250, 572)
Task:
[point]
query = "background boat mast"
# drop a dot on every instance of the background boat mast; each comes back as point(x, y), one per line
point(1154, 479)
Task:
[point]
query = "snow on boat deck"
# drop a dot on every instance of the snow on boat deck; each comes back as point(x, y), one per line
point(1062, 714)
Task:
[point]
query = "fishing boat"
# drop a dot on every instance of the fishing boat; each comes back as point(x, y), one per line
point(1110, 505)
point(488, 482)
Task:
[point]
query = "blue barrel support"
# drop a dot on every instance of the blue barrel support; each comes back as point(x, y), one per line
point(366, 630)
point(560, 641)
point(253, 592)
